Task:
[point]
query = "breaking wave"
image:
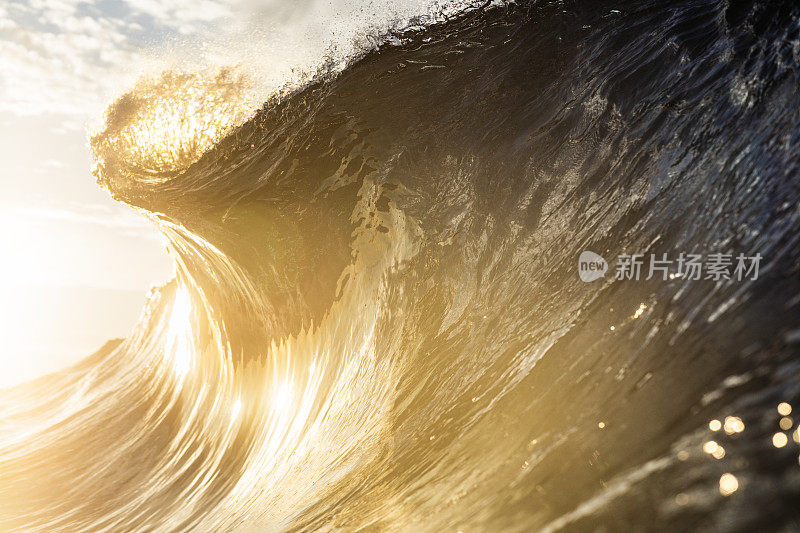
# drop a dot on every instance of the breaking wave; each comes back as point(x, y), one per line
point(377, 320)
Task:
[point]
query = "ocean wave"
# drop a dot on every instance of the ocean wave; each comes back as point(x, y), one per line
point(377, 321)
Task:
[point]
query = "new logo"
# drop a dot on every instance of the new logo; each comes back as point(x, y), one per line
point(591, 266)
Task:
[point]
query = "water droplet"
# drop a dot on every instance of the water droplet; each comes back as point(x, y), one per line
point(728, 484)
point(779, 440)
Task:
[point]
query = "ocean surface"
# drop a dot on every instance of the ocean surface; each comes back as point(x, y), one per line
point(377, 321)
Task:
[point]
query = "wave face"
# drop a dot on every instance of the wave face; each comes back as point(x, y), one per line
point(377, 320)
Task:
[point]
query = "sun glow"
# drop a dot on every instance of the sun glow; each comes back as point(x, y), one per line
point(180, 327)
point(63, 291)
point(282, 397)
point(165, 124)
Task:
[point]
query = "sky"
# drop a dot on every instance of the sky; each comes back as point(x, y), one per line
point(76, 266)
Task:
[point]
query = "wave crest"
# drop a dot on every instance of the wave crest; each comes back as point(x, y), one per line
point(165, 123)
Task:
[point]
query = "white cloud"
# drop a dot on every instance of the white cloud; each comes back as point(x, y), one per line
point(95, 214)
point(70, 57)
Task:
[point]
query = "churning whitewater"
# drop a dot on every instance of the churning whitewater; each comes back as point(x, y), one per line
point(377, 321)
